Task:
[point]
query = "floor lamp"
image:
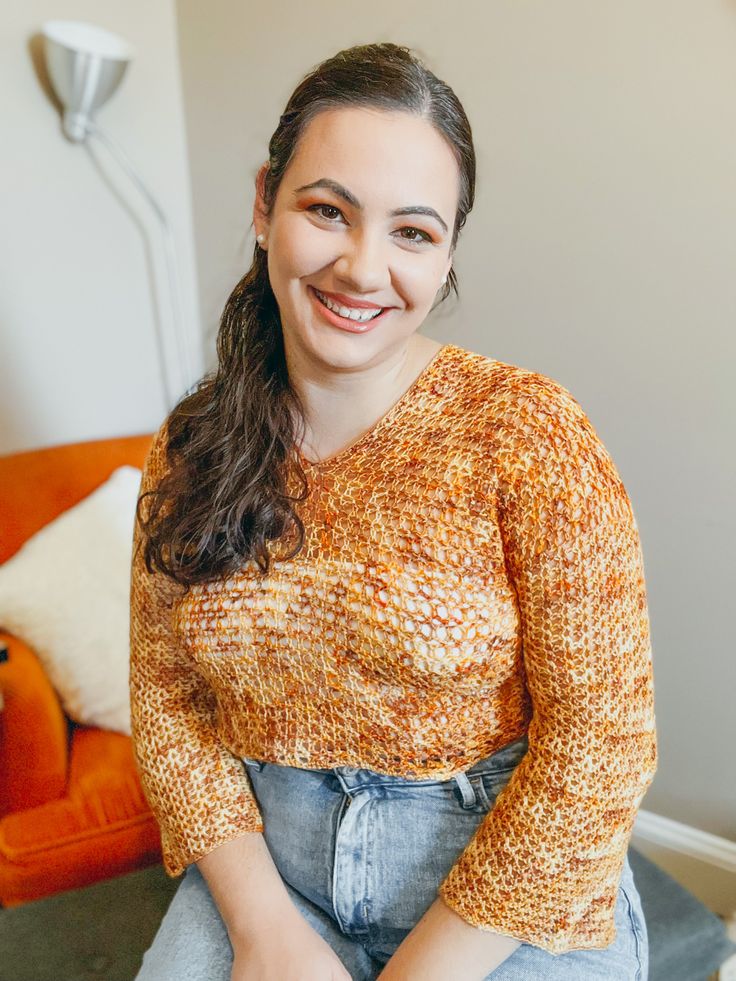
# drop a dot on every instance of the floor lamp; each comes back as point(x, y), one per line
point(86, 64)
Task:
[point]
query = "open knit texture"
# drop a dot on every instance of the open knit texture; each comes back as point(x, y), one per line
point(472, 571)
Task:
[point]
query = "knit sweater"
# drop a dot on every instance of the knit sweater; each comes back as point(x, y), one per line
point(471, 571)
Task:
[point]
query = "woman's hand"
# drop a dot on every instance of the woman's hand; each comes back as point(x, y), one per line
point(287, 950)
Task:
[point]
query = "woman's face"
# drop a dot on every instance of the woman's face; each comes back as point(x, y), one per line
point(344, 238)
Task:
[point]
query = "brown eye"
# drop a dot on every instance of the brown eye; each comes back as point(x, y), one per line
point(419, 237)
point(426, 237)
point(317, 208)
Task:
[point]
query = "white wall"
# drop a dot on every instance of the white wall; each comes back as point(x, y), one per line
point(601, 251)
point(78, 350)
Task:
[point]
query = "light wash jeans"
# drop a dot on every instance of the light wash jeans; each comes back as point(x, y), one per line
point(362, 855)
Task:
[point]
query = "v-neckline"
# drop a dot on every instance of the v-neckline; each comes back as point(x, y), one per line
point(388, 416)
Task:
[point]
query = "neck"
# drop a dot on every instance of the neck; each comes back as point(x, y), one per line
point(341, 403)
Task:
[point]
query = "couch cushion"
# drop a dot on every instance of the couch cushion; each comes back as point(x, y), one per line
point(103, 827)
point(104, 792)
point(66, 592)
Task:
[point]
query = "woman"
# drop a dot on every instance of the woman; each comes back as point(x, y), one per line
point(391, 684)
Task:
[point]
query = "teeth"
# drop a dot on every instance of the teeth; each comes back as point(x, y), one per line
point(360, 315)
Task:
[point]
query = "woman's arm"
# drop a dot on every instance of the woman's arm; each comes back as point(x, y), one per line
point(271, 940)
point(246, 886)
point(443, 945)
point(198, 791)
point(546, 861)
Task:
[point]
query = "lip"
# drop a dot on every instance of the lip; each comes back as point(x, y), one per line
point(352, 326)
point(352, 304)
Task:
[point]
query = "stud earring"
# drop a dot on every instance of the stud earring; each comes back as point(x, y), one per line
point(259, 238)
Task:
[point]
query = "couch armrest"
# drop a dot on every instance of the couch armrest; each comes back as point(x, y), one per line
point(34, 732)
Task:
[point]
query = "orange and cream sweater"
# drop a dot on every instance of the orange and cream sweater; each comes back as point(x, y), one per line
point(472, 571)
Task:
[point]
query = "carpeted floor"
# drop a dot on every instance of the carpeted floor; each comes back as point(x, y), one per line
point(95, 934)
point(100, 933)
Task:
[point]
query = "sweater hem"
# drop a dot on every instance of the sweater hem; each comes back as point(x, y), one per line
point(554, 947)
point(174, 867)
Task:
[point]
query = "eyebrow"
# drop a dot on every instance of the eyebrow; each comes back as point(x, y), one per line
point(346, 195)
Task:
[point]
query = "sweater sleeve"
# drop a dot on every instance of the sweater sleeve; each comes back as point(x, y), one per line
point(198, 791)
point(544, 864)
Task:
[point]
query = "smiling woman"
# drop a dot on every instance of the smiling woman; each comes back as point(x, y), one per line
point(339, 244)
point(412, 740)
point(369, 139)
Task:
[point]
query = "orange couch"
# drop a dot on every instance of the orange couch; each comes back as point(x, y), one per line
point(72, 811)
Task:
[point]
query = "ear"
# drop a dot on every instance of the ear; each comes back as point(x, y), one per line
point(260, 218)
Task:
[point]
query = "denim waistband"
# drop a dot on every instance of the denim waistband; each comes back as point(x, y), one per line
point(504, 759)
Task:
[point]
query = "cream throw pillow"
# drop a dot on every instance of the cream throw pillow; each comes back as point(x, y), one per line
point(66, 593)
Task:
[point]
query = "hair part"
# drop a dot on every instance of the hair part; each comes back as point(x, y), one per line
point(231, 441)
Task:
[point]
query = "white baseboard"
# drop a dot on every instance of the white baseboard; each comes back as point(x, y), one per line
point(686, 840)
point(702, 862)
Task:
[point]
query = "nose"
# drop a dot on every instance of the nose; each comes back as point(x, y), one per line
point(363, 263)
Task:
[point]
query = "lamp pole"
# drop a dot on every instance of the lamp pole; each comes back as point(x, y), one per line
point(86, 64)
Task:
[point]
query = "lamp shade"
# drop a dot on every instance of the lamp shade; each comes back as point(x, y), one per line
point(85, 64)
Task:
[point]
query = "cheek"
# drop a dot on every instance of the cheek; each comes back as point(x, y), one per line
point(421, 279)
point(301, 249)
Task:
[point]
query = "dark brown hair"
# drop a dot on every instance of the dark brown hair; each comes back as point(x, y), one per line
point(231, 439)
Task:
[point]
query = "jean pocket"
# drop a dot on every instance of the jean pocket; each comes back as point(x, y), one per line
point(255, 764)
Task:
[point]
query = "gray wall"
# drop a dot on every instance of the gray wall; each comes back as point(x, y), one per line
point(601, 251)
point(78, 349)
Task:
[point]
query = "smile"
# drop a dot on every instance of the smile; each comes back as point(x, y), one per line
point(356, 321)
point(358, 314)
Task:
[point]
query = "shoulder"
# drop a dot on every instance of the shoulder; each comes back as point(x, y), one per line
point(532, 429)
point(156, 464)
point(535, 408)
point(513, 398)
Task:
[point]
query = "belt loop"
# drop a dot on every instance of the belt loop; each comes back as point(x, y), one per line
point(466, 789)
